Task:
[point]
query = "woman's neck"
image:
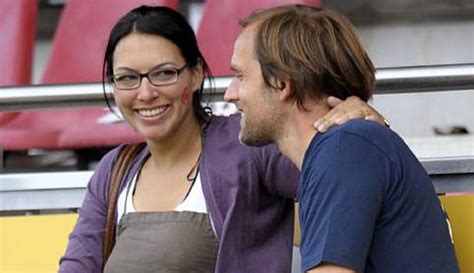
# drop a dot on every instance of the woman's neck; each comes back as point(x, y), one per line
point(186, 143)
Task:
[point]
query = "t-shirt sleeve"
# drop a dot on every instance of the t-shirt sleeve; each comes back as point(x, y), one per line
point(343, 183)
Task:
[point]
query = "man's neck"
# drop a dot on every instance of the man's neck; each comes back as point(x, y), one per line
point(299, 131)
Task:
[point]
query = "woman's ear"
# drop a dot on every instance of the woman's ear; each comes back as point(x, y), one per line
point(198, 75)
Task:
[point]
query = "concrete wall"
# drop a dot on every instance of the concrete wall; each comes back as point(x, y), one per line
point(408, 44)
point(431, 43)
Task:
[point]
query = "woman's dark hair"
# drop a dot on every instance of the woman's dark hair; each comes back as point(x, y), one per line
point(169, 24)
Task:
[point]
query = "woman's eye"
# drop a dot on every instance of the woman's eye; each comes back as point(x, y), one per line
point(120, 78)
point(169, 72)
point(163, 74)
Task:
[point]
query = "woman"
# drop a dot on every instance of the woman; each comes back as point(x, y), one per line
point(193, 199)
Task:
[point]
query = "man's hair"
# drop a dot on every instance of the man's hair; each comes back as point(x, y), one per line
point(316, 49)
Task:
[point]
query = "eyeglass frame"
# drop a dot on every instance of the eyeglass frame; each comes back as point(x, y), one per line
point(146, 75)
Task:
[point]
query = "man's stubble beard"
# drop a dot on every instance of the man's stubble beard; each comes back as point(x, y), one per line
point(264, 127)
point(251, 136)
point(259, 132)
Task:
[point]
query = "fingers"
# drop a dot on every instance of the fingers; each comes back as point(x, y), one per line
point(369, 113)
point(345, 110)
point(317, 124)
point(371, 118)
point(328, 120)
point(336, 117)
point(379, 119)
point(333, 101)
point(322, 125)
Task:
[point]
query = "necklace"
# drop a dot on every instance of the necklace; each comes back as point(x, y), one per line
point(195, 169)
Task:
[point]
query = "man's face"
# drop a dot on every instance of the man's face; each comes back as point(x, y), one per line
point(254, 100)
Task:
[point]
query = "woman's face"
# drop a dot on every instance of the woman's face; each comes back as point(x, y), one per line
point(157, 112)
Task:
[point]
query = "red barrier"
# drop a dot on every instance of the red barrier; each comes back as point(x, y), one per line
point(219, 28)
point(76, 57)
point(17, 29)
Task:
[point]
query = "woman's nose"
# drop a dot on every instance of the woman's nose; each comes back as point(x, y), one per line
point(146, 90)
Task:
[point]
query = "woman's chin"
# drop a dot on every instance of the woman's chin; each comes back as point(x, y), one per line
point(153, 136)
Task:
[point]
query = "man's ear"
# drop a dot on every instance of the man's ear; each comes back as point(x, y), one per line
point(285, 88)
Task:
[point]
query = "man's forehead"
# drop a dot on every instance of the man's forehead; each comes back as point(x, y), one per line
point(247, 34)
point(243, 46)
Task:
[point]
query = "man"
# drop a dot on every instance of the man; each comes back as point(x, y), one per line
point(366, 203)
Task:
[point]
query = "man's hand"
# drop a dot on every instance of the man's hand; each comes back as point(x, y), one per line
point(345, 110)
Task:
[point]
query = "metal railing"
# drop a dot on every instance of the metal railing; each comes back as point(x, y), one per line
point(58, 190)
point(66, 190)
point(388, 81)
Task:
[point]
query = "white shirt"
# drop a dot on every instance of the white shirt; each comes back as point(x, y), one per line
point(194, 202)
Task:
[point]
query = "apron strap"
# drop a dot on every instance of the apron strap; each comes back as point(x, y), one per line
point(120, 167)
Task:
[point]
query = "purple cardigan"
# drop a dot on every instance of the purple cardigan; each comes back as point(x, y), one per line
point(249, 194)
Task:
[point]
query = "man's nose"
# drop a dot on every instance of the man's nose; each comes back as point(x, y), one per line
point(232, 94)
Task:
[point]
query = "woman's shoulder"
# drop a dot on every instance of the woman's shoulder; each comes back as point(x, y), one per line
point(108, 161)
point(111, 156)
point(223, 129)
point(100, 180)
point(232, 119)
point(224, 124)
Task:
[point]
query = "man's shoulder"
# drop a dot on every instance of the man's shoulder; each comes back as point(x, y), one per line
point(355, 141)
point(364, 129)
point(357, 130)
point(364, 132)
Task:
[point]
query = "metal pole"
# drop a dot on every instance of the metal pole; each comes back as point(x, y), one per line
point(389, 81)
point(425, 79)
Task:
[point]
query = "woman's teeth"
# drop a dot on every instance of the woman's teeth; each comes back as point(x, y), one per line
point(152, 112)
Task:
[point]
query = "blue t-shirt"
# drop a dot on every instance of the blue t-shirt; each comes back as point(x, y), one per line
point(366, 203)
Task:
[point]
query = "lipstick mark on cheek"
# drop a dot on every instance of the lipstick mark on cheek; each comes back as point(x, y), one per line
point(185, 96)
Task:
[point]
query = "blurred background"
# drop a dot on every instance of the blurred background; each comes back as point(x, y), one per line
point(47, 155)
point(395, 33)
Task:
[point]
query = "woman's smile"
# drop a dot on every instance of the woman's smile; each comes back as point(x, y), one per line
point(152, 112)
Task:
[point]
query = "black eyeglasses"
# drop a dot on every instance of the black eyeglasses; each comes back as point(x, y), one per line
point(158, 77)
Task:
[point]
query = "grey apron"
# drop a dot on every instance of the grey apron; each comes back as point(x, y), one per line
point(171, 241)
